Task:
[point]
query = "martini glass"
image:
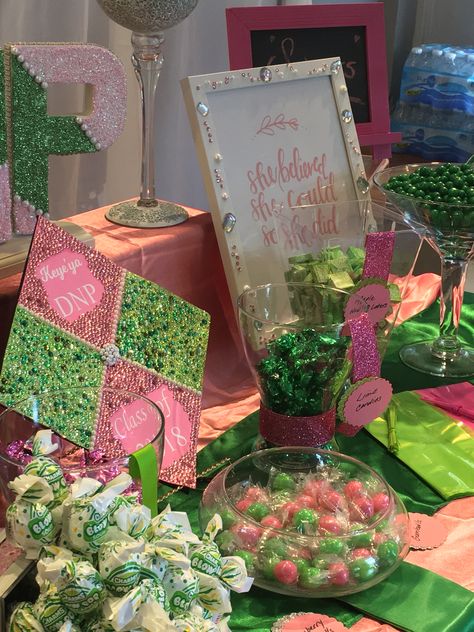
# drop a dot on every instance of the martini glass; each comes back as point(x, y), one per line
point(449, 229)
point(147, 19)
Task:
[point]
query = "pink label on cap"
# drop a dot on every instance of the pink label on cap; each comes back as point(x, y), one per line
point(426, 532)
point(366, 400)
point(307, 622)
point(135, 425)
point(177, 425)
point(373, 298)
point(70, 286)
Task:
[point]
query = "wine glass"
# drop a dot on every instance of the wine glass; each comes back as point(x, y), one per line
point(147, 19)
point(448, 226)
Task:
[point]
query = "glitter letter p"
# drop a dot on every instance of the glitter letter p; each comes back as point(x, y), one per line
point(32, 135)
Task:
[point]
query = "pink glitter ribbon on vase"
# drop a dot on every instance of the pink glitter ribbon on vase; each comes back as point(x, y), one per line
point(365, 359)
point(378, 255)
point(284, 430)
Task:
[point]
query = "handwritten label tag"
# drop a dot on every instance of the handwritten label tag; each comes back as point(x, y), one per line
point(70, 286)
point(365, 401)
point(135, 425)
point(307, 622)
point(373, 298)
point(426, 532)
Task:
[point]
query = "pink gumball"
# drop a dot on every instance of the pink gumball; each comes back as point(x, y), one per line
point(286, 572)
point(380, 501)
point(289, 509)
point(248, 535)
point(329, 524)
point(271, 521)
point(255, 494)
point(305, 553)
point(362, 508)
point(306, 501)
point(360, 553)
point(314, 488)
point(338, 574)
point(379, 538)
point(243, 504)
point(331, 500)
point(353, 488)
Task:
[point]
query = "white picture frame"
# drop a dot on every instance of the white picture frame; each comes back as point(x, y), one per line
point(270, 139)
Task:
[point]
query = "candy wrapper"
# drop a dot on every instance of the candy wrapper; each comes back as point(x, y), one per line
point(49, 470)
point(23, 619)
point(87, 519)
point(120, 565)
point(109, 568)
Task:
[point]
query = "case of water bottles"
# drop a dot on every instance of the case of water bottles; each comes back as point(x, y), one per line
point(435, 114)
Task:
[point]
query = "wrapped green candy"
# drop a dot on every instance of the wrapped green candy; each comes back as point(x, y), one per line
point(68, 626)
point(23, 619)
point(87, 519)
point(152, 565)
point(50, 611)
point(120, 565)
point(47, 469)
point(181, 586)
point(30, 526)
point(171, 529)
point(137, 608)
point(131, 517)
point(32, 489)
point(191, 622)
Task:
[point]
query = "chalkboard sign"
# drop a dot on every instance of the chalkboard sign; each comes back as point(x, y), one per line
point(259, 36)
point(284, 46)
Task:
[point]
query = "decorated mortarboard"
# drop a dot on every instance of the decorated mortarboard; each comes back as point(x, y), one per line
point(81, 320)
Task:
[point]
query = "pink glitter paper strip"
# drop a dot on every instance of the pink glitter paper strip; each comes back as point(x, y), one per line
point(24, 218)
point(378, 255)
point(95, 327)
point(85, 64)
point(5, 204)
point(365, 355)
point(283, 430)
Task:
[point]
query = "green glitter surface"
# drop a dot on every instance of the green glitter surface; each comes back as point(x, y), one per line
point(162, 332)
point(36, 136)
point(41, 358)
point(3, 125)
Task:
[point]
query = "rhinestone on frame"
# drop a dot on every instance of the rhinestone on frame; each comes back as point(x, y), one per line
point(336, 67)
point(266, 74)
point(346, 116)
point(363, 185)
point(202, 108)
point(229, 222)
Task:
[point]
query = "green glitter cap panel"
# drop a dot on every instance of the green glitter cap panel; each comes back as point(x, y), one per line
point(162, 332)
point(41, 358)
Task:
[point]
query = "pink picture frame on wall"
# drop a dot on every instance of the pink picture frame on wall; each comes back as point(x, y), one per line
point(259, 36)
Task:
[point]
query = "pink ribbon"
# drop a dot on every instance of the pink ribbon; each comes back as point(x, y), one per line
point(378, 255)
point(283, 430)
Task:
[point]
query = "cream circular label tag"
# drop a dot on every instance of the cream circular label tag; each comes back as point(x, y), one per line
point(373, 298)
point(426, 532)
point(365, 401)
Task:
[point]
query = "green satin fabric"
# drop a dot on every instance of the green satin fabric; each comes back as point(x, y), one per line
point(432, 444)
point(412, 598)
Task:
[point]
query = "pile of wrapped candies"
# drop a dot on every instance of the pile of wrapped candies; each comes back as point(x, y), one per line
point(316, 531)
point(448, 191)
point(334, 268)
point(105, 565)
point(303, 372)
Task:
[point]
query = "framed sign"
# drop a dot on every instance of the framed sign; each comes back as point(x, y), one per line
point(261, 36)
point(269, 140)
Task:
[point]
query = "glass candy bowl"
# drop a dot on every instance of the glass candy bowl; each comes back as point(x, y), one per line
point(308, 522)
point(20, 421)
point(438, 201)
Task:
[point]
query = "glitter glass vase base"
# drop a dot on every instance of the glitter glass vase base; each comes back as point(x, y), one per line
point(421, 357)
point(160, 215)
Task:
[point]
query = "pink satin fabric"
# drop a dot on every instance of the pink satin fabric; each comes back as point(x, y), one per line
point(418, 293)
point(455, 399)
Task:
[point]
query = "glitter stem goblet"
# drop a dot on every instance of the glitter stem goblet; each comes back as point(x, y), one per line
point(449, 229)
point(147, 19)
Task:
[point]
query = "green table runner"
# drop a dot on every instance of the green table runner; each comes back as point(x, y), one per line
point(411, 598)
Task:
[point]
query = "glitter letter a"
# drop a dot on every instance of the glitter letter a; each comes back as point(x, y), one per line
point(33, 135)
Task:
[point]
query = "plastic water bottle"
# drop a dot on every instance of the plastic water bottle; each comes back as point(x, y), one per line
point(415, 58)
